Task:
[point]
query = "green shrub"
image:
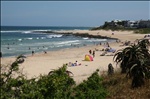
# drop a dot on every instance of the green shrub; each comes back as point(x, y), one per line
point(91, 88)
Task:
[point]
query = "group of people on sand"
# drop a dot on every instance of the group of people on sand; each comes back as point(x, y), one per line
point(73, 64)
point(126, 43)
point(147, 36)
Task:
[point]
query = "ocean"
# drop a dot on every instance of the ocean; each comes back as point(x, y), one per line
point(16, 40)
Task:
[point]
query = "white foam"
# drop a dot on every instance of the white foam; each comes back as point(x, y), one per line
point(76, 43)
point(59, 45)
point(19, 39)
point(26, 32)
point(43, 37)
point(97, 40)
point(10, 31)
point(29, 38)
point(41, 30)
point(54, 36)
point(38, 33)
point(68, 42)
point(85, 38)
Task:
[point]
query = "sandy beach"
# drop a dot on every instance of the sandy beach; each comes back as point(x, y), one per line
point(41, 63)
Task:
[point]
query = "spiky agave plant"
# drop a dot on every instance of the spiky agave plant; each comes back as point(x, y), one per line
point(61, 71)
point(139, 71)
point(135, 61)
point(127, 55)
point(144, 43)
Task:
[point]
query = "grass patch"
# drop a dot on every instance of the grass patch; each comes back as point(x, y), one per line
point(119, 87)
point(142, 31)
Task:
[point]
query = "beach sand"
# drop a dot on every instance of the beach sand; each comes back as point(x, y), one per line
point(41, 63)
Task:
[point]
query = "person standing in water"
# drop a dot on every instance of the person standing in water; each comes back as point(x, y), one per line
point(32, 53)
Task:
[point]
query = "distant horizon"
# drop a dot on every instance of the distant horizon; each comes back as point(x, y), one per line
point(68, 26)
point(47, 26)
point(71, 13)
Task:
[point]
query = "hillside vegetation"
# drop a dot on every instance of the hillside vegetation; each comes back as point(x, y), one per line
point(136, 30)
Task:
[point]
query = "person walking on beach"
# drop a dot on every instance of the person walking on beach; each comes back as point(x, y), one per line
point(93, 54)
point(107, 44)
point(90, 52)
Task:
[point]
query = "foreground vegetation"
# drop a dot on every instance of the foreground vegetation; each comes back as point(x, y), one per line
point(56, 85)
point(132, 83)
point(59, 85)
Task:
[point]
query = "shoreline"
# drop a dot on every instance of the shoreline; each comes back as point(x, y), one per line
point(43, 63)
point(65, 33)
point(40, 52)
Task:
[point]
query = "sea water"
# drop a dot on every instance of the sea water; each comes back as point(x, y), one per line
point(16, 40)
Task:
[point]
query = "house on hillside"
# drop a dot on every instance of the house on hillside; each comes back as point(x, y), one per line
point(128, 23)
point(144, 24)
point(132, 24)
point(114, 23)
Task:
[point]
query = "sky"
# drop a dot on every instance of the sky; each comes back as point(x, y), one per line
point(71, 13)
